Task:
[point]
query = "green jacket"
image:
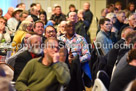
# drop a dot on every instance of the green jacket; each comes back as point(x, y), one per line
point(38, 77)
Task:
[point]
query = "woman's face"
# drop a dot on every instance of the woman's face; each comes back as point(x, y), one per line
point(132, 7)
point(42, 17)
point(30, 27)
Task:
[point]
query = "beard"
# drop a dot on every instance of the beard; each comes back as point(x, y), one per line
point(36, 51)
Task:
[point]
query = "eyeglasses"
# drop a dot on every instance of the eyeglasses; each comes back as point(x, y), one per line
point(51, 31)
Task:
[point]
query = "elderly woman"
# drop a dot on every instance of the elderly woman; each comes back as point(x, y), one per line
point(26, 26)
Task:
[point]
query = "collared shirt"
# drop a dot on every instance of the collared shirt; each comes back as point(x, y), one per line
point(78, 46)
point(104, 41)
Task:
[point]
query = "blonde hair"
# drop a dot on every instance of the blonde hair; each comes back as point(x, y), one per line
point(23, 26)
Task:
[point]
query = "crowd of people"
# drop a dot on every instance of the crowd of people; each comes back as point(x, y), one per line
point(56, 54)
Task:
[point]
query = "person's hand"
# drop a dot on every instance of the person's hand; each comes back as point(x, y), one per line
point(70, 58)
point(56, 57)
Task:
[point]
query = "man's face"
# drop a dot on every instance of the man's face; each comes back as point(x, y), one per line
point(17, 15)
point(86, 6)
point(39, 28)
point(73, 16)
point(11, 11)
point(36, 12)
point(132, 21)
point(70, 29)
point(24, 16)
point(23, 6)
point(36, 45)
point(52, 48)
point(121, 17)
point(50, 32)
point(106, 26)
point(58, 10)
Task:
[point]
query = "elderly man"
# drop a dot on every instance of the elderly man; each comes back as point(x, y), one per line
point(33, 51)
point(58, 16)
point(54, 73)
point(131, 23)
point(8, 15)
point(34, 13)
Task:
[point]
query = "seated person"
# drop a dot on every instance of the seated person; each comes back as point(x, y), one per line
point(4, 37)
point(54, 73)
point(126, 74)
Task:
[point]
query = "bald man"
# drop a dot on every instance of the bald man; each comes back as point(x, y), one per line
point(9, 13)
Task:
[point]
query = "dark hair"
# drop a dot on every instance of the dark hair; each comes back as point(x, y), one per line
point(130, 3)
point(38, 21)
point(131, 55)
point(110, 5)
point(57, 6)
point(102, 21)
point(52, 27)
point(43, 12)
point(1, 17)
point(71, 6)
point(32, 5)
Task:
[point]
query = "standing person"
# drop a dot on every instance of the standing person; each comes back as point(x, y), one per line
point(72, 8)
point(103, 36)
point(88, 15)
point(54, 73)
point(58, 16)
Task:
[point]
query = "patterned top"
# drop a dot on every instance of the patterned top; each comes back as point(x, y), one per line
point(78, 46)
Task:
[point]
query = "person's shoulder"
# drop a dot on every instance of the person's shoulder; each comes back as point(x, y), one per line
point(34, 60)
